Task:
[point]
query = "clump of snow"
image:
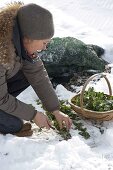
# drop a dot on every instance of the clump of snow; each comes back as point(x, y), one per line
point(29, 97)
point(63, 93)
point(35, 154)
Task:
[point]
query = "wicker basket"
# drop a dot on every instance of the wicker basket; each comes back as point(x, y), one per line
point(94, 115)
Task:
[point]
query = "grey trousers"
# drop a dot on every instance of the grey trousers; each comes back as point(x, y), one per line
point(9, 123)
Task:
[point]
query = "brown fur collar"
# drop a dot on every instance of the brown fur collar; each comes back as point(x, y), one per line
point(7, 51)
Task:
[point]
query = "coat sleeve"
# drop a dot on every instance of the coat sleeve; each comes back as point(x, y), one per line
point(10, 104)
point(37, 76)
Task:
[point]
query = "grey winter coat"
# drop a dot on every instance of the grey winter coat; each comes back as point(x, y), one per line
point(10, 64)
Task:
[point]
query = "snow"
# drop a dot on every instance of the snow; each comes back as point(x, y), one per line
point(27, 154)
point(91, 22)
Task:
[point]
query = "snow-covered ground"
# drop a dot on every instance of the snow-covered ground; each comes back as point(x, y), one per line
point(91, 22)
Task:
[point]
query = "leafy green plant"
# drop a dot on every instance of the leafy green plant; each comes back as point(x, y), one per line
point(96, 101)
point(65, 108)
point(38, 102)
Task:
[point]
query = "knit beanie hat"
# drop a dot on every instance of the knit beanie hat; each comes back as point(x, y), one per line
point(35, 22)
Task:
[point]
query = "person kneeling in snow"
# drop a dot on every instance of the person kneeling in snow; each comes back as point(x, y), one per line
point(24, 31)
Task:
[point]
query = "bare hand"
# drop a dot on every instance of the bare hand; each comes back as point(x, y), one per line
point(41, 120)
point(62, 118)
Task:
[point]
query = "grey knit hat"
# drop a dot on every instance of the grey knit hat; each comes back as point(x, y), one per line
point(35, 22)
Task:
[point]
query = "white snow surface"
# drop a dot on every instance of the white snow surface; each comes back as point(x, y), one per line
point(91, 22)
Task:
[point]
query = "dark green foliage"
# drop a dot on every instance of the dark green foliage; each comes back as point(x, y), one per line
point(38, 102)
point(96, 101)
point(98, 50)
point(68, 54)
point(65, 108)
point(76, 120)
point(65, 134)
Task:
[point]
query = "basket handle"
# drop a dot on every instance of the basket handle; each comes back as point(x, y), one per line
point(86, 83)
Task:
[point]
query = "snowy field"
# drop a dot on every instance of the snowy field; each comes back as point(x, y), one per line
point(91, 22)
